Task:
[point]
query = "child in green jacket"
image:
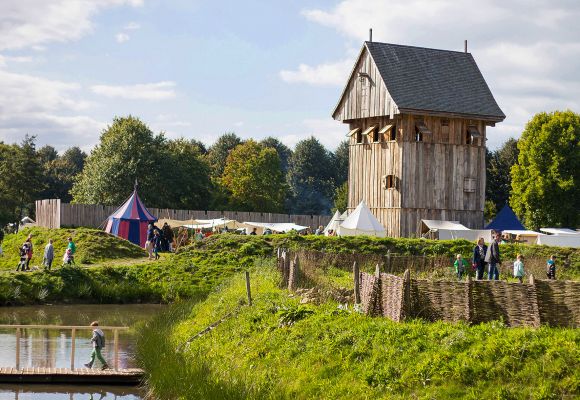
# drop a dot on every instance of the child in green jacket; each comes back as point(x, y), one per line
point(460, 266)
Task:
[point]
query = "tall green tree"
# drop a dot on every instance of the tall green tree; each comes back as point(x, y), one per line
point(61, 172)
point(546, 178)
point(21, 180)
point(340, 160)
point(283, 151)
point(219, 151)
point(128, 150)
point(341, 198)
point(186, 180)
point(310, 178)
point(254, 178)
point(499, 179)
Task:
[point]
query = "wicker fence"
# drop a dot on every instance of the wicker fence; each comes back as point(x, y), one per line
point(54, 214)
point(535, 303)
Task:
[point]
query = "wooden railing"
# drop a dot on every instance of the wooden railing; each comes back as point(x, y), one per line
point(73, 330)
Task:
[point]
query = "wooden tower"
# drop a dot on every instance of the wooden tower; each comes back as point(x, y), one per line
point(417, 129)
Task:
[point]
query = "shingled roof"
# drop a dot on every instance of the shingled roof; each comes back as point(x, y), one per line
point(421, 79)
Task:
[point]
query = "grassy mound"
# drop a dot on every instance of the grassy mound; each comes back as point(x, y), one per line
point(190, 274)
point(280, 349)
point(92, 246)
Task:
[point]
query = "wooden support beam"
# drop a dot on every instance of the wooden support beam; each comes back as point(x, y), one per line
point(72, 348)
point(17, 349)
point(116, 349)
point(248, 290)
point(356, 274)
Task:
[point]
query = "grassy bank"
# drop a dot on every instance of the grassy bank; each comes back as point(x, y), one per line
point(112, 270)
point(280, 349)
point(93, 246)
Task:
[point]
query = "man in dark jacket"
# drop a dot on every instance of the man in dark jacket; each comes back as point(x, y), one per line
point(492, 258)
point(478, 259)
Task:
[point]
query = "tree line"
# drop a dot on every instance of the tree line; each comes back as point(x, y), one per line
point(537, 175)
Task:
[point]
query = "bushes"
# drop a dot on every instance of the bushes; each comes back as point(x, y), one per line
point(331, 353)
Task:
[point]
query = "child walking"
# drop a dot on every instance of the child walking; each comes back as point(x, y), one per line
point(551, 267)
point(519, 268)
point(460, 265)
point(98, 341)
point(23, 257)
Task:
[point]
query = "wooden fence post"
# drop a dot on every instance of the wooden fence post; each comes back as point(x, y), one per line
point(469, 299)
point(248, 291)
point(406, 303)
point(389, 266)
point(17, 349)
point(72, 348)
point(116, 349)
point(378, 270)
point(535, 304)
point(356, 274)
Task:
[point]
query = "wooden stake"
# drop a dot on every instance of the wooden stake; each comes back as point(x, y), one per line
point(116, 345)
point(72, 349)
point(356, 273)
point(17, 349)
point(248, 288)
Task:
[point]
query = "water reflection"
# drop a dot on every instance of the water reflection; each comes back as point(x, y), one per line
point(65, 392)
point(52, 348)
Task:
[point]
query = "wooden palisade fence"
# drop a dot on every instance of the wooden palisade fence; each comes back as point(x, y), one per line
point(55, 214)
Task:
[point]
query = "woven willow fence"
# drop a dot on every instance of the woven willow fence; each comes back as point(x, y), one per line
point(535, 303)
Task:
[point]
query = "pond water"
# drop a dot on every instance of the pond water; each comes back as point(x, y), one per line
point(52, 348)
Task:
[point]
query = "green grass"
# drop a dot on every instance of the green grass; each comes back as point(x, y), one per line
point(93, 246)
point(278, 349)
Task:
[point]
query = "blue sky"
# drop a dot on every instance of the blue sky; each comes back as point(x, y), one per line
point(201, 68)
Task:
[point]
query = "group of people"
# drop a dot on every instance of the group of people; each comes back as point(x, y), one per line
point(158, 240)
point(484, 255)
point(26, 252)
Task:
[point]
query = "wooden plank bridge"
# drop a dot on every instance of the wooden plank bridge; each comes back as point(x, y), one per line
point(73, 375)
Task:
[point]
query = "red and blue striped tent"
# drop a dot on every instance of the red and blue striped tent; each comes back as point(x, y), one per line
point(130, 221)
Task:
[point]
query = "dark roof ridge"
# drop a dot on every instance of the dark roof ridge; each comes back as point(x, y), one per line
point(416, 47)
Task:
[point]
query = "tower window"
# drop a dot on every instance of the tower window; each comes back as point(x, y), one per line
point(389, 181)
point(420, 131)
point(472, 136)
point(372, 133)
point(444, 130)
point(356, 134)
point(390, 131)
point(469, 185)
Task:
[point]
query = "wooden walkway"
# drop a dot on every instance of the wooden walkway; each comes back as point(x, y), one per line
point(130, 376)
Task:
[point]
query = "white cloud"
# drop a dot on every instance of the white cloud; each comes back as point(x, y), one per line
point(530, 56)
point(239, 124)
point(329, 74)
point(38, 106)
point(27, 23)
point(131, 26)
point(122, 37)
point(142, 91)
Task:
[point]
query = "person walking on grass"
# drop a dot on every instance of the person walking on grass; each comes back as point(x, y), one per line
point(551, 267)
point(478, 258)
point(460, 266)
point(72, 246)
point(48, 255)
point(156, 244)
point(98, 341)
point(149, 242)
point(30, 252)
point(492, 257)
point(519, 268)
point(23, 257)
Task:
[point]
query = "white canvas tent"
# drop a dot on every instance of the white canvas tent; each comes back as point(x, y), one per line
point(219, 223)
point(524, 236)
point(559, 231)
point(334, 223)
point(361, 222)
point(274, 227)
point(446, 230)
point(560, 240)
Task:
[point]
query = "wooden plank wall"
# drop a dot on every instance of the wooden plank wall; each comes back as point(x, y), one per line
point(430, 173)
point(51, 215)
point(378, 101)
point(48, 213)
